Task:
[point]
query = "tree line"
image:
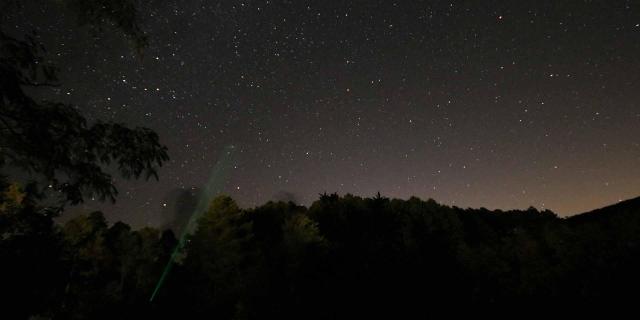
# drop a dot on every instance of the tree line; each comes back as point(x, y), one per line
point(343, 255)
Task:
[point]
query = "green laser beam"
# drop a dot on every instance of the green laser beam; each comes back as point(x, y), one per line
point(213, 187)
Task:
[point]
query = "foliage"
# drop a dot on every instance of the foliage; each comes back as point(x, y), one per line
point(53, 141)
point(120, 14)
point(65, 272)
point(342, 256)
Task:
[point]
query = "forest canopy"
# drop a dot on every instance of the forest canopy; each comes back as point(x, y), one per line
point(323, 78)
point(343, 255)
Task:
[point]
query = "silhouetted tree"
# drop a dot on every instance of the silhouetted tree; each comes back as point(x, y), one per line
point(31, 272)
point(65, 273)
point(343, 256)
point(53, 140)
point(220, 256)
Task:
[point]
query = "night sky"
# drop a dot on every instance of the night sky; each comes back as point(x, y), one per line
point(497, 104)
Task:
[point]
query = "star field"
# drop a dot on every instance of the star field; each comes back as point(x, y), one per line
point(497, 104)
